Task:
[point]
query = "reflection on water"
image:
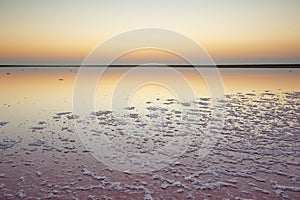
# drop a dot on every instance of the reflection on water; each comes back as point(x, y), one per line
point(256, 154)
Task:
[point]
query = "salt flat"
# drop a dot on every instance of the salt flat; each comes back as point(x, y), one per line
point(47, 151)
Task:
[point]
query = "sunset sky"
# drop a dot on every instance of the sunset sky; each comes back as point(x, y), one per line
point(231, 31)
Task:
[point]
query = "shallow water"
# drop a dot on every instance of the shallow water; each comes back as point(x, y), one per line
point(49, 151)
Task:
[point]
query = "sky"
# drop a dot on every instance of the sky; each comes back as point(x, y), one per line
point(231, 31)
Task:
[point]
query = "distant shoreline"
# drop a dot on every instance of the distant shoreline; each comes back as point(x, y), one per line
point(175, 66)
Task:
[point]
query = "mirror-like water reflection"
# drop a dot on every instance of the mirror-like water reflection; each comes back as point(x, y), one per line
point(256, 154)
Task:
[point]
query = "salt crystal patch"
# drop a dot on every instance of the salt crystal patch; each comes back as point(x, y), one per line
point(63, 113)
point(148, 196)
point(37, 143)
point(38, 173)
point(21, 194)
point(7, 143)
point(2, 185)
point(164, 186)
point(37, 128)
point(3, 123)
point(116, 186)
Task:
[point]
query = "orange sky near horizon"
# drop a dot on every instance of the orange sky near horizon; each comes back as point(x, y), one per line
point(64, 32)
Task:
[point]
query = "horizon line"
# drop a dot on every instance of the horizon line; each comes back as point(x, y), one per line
point(155, 65)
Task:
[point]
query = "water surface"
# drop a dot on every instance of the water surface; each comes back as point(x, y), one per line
point(256, 154)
